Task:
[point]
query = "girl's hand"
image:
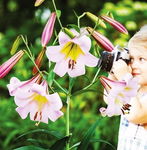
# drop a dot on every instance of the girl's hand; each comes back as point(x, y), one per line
point(120, 69)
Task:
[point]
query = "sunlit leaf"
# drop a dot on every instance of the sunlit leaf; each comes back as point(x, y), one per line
point(58, 13)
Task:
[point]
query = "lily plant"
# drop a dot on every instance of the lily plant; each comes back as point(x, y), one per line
point(71, 51)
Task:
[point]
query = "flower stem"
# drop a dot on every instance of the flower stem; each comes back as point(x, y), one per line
point(94, 79)
point(67, 120)
point(53, 1)
point(79, 17)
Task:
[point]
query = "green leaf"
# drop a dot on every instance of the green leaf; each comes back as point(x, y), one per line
point(87, 137)
point(71, 82)
point(74, 27)
point(30, 147)
point(16, 44)
point(51, 76)
point(60, 144)
point(58, 13)
point(52, 133)
point(103, 141)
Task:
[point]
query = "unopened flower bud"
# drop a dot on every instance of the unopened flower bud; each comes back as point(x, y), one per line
point(101, 40)
point(118, 26)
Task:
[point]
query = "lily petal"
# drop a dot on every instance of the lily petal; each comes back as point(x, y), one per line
point(61, 68)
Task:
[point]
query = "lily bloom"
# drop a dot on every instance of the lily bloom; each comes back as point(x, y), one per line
point(101, 40)
point(8, 65)
point(34, 99)
point(71, 55)
point(118, 95)
point(48, 30)
point(118, 26)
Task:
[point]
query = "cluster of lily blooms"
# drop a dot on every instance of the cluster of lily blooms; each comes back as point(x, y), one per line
point(71, 55)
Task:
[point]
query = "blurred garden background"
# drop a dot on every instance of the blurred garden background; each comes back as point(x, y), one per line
point(21, 17)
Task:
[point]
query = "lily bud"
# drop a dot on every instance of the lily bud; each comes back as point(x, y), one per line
point(118, 26)
point(95, 19)
point(39, 60)
point(7, 66)
point(48, 30)
point(100, 39)
point(38, 2)
point(69, 33)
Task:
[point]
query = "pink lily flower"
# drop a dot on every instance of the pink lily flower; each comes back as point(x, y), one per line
point(101, 40)
point(16, 84)
point(35, 99)
point(48, 30)
point(71, 55)
point(118, 96)
point(8, 65)
point(118, 26)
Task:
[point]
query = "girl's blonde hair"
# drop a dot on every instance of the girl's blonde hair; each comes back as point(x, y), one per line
point(140, 38)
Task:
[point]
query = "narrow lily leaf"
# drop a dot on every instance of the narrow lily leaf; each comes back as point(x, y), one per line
point(103, 141)
point(93, 141)
point(60, 144)
point(87, 137)
point(71, 83)
point(58, 12)
point(15, 45)
point(51, 76)
point(30, 147)
point(51, 133)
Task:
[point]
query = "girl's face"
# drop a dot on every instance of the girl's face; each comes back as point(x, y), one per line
point(138, 63)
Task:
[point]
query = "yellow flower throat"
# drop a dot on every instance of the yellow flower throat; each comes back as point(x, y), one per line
point(72, 51)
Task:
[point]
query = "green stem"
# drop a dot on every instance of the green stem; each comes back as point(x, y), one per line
point(79, 17)
point(59, 86)
point(94, 79)
point(34, 64)
point(67, 121)
point(57, 14)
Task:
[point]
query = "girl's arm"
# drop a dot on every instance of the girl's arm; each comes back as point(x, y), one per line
point(138, 110)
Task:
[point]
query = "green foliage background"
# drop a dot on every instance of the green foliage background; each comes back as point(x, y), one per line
point(21, 17)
